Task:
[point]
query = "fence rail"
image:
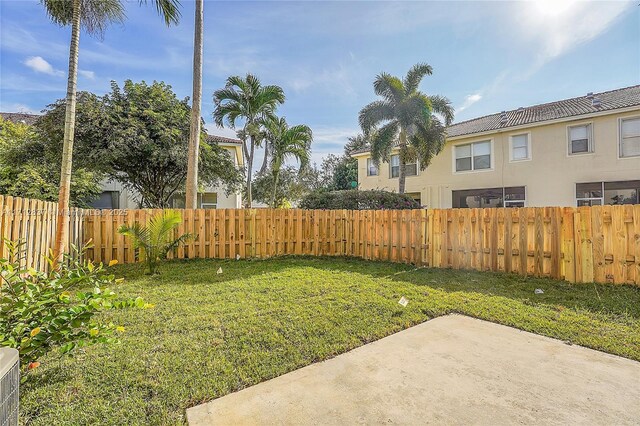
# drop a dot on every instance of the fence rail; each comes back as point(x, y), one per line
point(585, 244)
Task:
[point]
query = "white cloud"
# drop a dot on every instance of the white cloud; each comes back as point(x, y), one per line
point(469, 100)
point(18, 108)
point(39, 64)
point(556, 27)
point(87, 74)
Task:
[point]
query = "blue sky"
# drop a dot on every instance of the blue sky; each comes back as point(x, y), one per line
point(486, 56)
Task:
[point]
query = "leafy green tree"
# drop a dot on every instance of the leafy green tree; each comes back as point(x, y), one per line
point(156, 239)
point(145, 144)
point(292, 186)
point(287, 142)
point(93, 16)
point(30, 165)
point(406, 118)
point(248, 101)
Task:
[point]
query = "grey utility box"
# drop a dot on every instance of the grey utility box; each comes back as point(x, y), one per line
point(9, 386)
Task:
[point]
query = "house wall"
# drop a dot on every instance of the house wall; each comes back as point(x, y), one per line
point(127, 199)
point(549, 177)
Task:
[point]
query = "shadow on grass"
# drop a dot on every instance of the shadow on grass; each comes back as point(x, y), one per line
point(617, 300)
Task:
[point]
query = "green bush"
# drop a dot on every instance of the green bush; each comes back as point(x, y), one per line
point(374, 199)
point(42, 311)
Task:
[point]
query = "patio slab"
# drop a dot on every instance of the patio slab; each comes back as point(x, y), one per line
point(449, 370)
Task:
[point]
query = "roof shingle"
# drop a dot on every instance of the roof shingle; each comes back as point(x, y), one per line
point(611, 100)
point(573, 107)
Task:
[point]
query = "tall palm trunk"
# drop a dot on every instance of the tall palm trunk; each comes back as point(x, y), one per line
point(265, 159)
point(249, 172)
point(276, 173)
point(403, 164)
point(191, 197)
point(62, 227)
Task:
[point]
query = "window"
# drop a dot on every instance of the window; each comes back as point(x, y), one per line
point(610, 193)
point(520, 149)
point(490, 197)
point(473, 156)
point(107, 200)
point(395, 166)
point(580, 140)
point(372, 169)
point(208, 200)
point(411, 169)
point(630, 137)
point(416, 196)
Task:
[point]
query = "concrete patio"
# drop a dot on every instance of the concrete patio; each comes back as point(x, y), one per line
point(450, 370)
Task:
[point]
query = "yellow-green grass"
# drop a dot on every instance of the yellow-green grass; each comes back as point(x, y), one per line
point(211, 334)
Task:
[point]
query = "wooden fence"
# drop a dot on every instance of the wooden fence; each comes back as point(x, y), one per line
point(584, 244)
point(34, 222)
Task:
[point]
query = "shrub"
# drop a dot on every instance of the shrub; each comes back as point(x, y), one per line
point(40, 311)
point(358, 200)
point(156, 239)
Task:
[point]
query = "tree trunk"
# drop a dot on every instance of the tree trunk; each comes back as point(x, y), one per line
point(266, 157)
point(249, 170)
point(401, 177)
point(403, 163)
point(62, 227)
point(191, 196)
point(275, 188)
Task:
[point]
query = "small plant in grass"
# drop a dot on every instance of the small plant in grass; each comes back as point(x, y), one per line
point(42, 311)
point(156, 239)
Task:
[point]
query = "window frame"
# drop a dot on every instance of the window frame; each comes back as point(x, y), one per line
point(529, 153)
point(578, 199)
point(391, 166)
point(472, 170)
point(368, 166)
point(505, 203)
point(591, 146)
point(417, 169)
point(620, 120)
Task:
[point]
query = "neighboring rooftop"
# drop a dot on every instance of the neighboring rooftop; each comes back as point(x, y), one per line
point(222, 139)
point(573, 107)
point(588, 104)
point(19, 117)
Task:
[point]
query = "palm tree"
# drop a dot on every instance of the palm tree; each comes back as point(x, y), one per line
point(246, 99)
point(156, 239)
point(191, 196)
point(287, 142)
point(94, 16)
point(406, 118)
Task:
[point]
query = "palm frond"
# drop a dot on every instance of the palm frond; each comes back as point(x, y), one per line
point(375, 113)
point(415, 75)
point(95, 16)
point(389, 87)
point(383, 142)
point(169, 10)
point(442, 105)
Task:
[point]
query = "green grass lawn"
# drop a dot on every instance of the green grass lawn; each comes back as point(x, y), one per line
point(212, 334)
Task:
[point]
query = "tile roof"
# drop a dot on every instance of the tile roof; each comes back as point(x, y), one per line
point(20, 117)
point(222, 139)
point(566, 108)
point(611, 100)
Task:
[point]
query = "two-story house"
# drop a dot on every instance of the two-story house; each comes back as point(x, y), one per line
point(573, 152)
point(115, 196)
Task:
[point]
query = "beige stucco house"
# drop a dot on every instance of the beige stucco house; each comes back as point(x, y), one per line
point(573, 152)
point(115, 196)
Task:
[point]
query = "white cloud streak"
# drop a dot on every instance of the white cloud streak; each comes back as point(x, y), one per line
point(469, 100)
point(39, 64)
